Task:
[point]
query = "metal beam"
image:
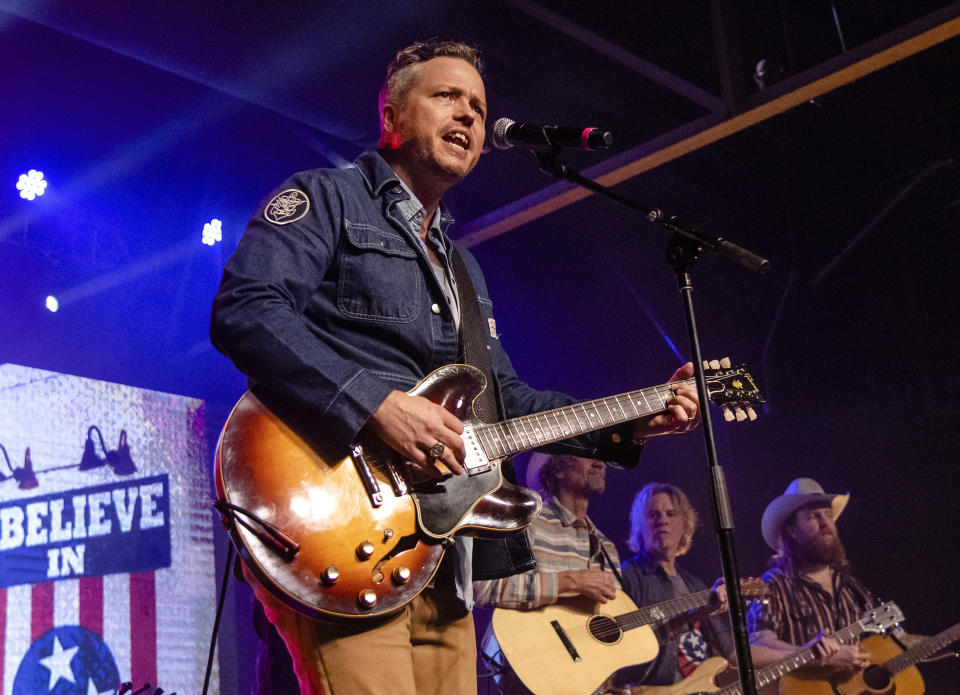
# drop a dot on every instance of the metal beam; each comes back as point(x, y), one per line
point(611, 50)
point(875, 55)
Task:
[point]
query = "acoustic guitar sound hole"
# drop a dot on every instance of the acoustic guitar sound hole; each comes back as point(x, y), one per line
point(604, 629)
point(876, 677)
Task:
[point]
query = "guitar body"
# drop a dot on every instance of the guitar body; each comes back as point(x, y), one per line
point(264, 467)
point(873, 680)
point(876, 679)
point(702, 680)
point(531, 644)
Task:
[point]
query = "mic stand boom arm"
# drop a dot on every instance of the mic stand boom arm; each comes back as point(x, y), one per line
point(683, 251)
point(724, 248)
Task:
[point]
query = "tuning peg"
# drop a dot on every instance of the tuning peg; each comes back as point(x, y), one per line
point(706, 365)
point(741, 416)
point(751, 413)
point(727, 415)
point(725, 363)
point(714, 364)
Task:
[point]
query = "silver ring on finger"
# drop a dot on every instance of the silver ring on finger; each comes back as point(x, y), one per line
point(436, 451)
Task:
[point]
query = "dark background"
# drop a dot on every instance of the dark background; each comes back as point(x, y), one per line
point(149, 119)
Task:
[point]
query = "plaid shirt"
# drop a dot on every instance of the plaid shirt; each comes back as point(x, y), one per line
point(560, 542)
point(797, 609)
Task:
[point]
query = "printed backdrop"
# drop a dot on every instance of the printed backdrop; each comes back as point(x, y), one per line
point(106, 545)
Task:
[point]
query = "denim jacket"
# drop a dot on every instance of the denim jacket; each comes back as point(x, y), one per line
point(329, 303)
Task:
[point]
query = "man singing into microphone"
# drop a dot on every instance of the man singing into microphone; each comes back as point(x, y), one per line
point(343, 293)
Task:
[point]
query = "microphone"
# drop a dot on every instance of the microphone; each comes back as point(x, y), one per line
point(506, 133)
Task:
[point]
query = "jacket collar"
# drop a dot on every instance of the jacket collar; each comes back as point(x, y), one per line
point(381, 179)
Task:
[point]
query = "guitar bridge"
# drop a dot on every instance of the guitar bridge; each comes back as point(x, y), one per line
point(370, 483)
point(562, 634)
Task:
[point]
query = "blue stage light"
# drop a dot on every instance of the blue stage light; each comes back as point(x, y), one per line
point(31, 184)
point(52, 304)
point(212, 232)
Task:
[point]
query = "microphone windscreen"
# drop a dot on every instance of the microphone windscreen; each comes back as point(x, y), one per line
point(498, 133)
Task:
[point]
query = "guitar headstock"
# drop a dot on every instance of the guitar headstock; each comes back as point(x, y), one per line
point(754, 587)
point(732, 388)
point(881, 618)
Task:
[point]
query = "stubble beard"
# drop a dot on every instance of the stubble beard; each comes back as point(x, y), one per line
point(428, 160)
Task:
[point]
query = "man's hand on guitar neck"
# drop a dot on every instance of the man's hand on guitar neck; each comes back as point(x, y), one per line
point(594, 584)
point(682, 413)
point(413, 425)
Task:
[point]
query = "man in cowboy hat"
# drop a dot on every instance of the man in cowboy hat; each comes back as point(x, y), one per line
point(812, 592)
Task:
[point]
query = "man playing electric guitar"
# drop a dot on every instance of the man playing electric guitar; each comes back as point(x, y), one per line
point(345, 292)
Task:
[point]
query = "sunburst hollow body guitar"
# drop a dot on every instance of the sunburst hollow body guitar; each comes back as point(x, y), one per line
point(360, 536)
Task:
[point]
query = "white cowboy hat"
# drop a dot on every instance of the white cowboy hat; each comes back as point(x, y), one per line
point(799, 493)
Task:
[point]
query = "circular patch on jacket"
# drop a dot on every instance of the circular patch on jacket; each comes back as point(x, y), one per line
point(287, 206)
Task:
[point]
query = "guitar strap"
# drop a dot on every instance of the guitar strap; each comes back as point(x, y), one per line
point(501, 557)
point(613, 567)
point(473, 345)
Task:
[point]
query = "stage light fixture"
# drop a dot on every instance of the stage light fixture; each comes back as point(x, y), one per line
point(118, 459)
point(31, 184)
point(212, 232)
point(52, 304)
point(25, 477)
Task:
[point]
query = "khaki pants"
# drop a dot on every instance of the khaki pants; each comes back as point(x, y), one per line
point(428, 648)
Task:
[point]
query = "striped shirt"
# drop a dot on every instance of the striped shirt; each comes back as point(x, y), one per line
point(560, 542)
point(798, 609)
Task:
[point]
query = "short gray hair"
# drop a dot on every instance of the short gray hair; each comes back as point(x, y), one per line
point(403, 69)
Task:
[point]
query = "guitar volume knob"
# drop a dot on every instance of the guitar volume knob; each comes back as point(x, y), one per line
point(330, 575)
point(367, 598)
point(401, 575)
point(365, 550)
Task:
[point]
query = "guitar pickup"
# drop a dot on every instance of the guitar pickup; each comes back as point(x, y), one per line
point(474, 453)
point(562, 634)
point(370, 483)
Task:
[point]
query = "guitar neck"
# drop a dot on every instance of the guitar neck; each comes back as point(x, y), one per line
point(518, 434)
point(769, 674)
point(923, 650)
point(664, 611)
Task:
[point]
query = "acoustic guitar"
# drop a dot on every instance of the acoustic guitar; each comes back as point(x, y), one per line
point(703, 680)
point(361, 536)
point(573, 646)
point(892, 671)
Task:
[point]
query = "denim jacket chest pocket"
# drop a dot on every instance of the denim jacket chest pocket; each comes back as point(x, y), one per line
point(380, 276)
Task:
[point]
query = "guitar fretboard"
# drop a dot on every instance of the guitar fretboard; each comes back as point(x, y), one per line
point(663, 611)
point(923, 650)
point(768, 674)
point(518, 434)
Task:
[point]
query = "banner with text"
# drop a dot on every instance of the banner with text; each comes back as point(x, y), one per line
point(106, 546)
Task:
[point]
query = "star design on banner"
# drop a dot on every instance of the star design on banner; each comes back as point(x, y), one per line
point(58, 663)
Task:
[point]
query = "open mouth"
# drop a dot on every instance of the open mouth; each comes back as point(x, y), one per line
point(458, 138)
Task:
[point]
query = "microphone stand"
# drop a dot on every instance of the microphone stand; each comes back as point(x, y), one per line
point(682, 252)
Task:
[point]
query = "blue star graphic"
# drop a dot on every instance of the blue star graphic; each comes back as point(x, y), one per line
point(67, 660)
